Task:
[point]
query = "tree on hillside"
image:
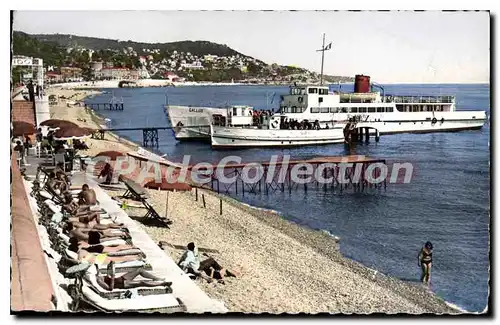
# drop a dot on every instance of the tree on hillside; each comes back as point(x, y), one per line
point(51, 54)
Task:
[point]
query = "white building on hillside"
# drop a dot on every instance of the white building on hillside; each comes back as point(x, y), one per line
point(194, 65)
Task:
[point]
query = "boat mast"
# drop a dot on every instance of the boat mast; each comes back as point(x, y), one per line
point(323, 49)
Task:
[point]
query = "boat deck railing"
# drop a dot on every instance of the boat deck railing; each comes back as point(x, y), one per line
point(418, 99)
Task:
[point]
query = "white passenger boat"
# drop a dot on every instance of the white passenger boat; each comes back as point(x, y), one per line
point(313, 115)
point(192, 123)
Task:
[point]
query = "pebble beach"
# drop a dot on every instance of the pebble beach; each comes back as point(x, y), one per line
point(282, 267)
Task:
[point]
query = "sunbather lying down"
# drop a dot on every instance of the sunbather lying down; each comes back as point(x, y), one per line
point(126, 281)
point(208, 269)
point(103, 258)
point(92, 222)
point(82, 217)
point(75, 245)
point(83, 234)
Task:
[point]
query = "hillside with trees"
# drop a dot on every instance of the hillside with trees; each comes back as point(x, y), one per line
point(193, 47)
point(227, 64)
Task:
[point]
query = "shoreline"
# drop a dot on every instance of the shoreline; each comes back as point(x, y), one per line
point(317, 242)
point(161, 83)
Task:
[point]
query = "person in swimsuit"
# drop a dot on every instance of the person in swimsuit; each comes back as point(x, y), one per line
point(103, 258)
point(425, 262)
point(55, 186)
point(87, 196)
point(126, 281)
point(63, 182)
point(82, 217)
point(94, 246)
point(83, 234)
point(60, 170)
point(214, 270)
point(74, 208)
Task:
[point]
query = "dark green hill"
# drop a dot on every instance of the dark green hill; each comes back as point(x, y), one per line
point(50, 52)
point(54, 49)
point(194, 47)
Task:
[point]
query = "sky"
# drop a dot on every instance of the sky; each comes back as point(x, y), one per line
point(391, 47)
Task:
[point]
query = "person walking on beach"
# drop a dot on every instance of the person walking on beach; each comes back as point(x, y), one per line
point(31, 91)
point(425, 262)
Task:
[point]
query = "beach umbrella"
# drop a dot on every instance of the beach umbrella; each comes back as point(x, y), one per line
point(20, 128)
point(71, 133)
point(56, 123)
point(168, 187)
point(111, 154)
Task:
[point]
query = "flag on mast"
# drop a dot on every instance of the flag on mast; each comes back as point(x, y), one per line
point(329, 46)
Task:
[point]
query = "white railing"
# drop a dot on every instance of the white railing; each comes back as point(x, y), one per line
point(418, 99)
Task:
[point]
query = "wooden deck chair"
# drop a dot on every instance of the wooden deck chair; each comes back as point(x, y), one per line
point(134, 191)
point(41, 177)
point(152, 213)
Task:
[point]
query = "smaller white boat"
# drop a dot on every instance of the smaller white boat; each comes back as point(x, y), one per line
point(244, 128)
point(193, 123)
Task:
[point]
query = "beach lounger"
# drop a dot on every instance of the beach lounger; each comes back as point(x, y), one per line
point(56, 207)
point(166, 303)
point(47, 191)
point(134, 191)
point(138, 193)
point(151, 213)
point(91, 279)
point(83, 292)
point(42, 174)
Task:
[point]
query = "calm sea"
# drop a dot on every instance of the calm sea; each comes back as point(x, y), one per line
point(447, 201)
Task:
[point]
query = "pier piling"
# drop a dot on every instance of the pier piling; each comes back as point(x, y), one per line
point(105, 106)
point(270, 183)
point(150, 137)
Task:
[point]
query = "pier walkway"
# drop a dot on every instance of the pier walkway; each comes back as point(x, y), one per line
point(281, 175)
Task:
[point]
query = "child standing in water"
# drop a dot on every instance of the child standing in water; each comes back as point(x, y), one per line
point(425, 262)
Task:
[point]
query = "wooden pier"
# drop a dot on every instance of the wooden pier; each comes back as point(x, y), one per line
point(150, 137)
point(105, 106)
point(278, 176)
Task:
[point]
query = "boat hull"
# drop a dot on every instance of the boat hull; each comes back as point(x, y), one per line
point(195, 121)
point(426, 126)
point(225, 137)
